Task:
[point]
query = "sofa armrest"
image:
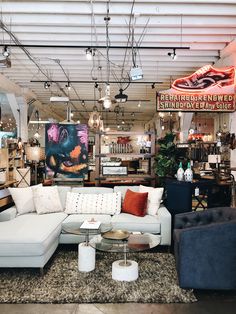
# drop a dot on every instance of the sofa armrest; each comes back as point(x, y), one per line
point(165, 219)
point(8, 214)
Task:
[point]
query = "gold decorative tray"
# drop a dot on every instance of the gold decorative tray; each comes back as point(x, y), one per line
point(116, 235)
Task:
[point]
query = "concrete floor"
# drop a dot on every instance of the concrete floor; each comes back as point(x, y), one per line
point(200, 307)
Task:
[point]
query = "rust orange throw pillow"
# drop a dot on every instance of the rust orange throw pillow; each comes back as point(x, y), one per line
point(135, 203)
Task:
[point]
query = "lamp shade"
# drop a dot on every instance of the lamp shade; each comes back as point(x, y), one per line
point(35, 153)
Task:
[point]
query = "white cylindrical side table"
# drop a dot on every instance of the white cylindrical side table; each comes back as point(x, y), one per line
point(125, 270)
point(86, 257)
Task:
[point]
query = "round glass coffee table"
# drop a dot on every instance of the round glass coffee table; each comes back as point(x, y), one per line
point(86, 253)
point(124, 242)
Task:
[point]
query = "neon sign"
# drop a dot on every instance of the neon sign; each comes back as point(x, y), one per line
point(208, 89)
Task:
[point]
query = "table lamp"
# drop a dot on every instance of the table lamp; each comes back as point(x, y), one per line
point(35, 154)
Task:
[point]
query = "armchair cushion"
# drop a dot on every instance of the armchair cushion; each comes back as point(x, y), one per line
point(205, 249)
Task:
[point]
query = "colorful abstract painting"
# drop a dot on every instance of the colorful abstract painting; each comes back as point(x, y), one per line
point(66, 150)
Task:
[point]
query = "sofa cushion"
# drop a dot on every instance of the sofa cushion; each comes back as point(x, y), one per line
point(47, 200)
point(62, 190)
point(30, 234)
point(154, 198)
point(73, 221)
point(151, 224)
point(106, 203)
point(23, 199)
point(135, 203)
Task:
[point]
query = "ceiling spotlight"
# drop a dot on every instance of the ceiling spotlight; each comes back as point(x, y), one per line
point(121, 97)
point(139, 104)
point(153, 85)
point(96, 85)
point(46, 85)
point(90, 53)
point(5, 51)
point(173, 54)
point(83, 103)
point(136, 73)
point(68, 86)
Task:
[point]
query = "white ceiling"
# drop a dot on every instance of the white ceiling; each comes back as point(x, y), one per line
point(205, 27)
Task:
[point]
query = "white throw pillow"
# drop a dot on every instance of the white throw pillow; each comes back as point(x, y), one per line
point(47, 200)
point(154, 198)
point(23, 199)
point(104, 203)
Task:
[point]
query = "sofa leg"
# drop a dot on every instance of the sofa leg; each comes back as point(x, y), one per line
point(41, 270)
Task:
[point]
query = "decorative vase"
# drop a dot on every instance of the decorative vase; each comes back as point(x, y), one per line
point(180, 173)
point(188, 174)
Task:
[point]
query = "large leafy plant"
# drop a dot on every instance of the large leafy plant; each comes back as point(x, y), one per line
point(166, 163)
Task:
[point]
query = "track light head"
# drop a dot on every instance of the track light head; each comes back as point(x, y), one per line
point(6, 52)
point(153, 85)
point(47, 85)
point(90, 53)
point(68, 86)
point(173, 54)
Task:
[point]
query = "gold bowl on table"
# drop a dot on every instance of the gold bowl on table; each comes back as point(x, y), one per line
point(116, 235)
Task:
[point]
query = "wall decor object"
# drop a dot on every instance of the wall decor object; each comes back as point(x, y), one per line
point(114, 171)
point(66, 148)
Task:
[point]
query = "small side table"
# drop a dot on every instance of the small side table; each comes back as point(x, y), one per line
point(86, 257)
point(125, 270)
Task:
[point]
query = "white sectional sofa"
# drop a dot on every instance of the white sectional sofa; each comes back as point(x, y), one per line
point(29, 240)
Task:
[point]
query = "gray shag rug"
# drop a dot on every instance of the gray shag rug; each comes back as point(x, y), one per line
point(63, 283)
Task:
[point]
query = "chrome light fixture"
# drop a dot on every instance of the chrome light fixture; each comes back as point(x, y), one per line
point(106, 100)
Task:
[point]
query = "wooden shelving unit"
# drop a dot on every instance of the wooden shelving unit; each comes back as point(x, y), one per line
point(10, 159)
point(130, 178)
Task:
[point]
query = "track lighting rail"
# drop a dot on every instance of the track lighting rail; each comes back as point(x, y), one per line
point(92, 47)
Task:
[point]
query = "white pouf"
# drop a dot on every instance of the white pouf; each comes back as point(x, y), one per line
point(86, 258)
point(122, 272)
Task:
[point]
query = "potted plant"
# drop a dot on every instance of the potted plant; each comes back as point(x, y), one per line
point(166, 163)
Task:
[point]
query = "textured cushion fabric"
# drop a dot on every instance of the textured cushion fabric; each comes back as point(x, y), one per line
point(135, 203)
point(106, 203)
point(154, 198)
point(23, 199)
point(47, 200)
point(30, 234)
point(92, 190)
point(151, 224)
point(62, 190)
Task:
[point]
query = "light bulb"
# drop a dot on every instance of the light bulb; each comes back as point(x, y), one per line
point(107, 103)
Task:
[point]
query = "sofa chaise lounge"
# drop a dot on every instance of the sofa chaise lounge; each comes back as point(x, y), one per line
point(30, 239)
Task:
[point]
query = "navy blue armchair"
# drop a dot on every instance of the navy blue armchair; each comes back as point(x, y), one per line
point(205, 248)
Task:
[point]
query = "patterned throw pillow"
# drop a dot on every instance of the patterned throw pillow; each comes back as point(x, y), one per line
point(47, 200)
point(81, 203)
point(154, 198)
